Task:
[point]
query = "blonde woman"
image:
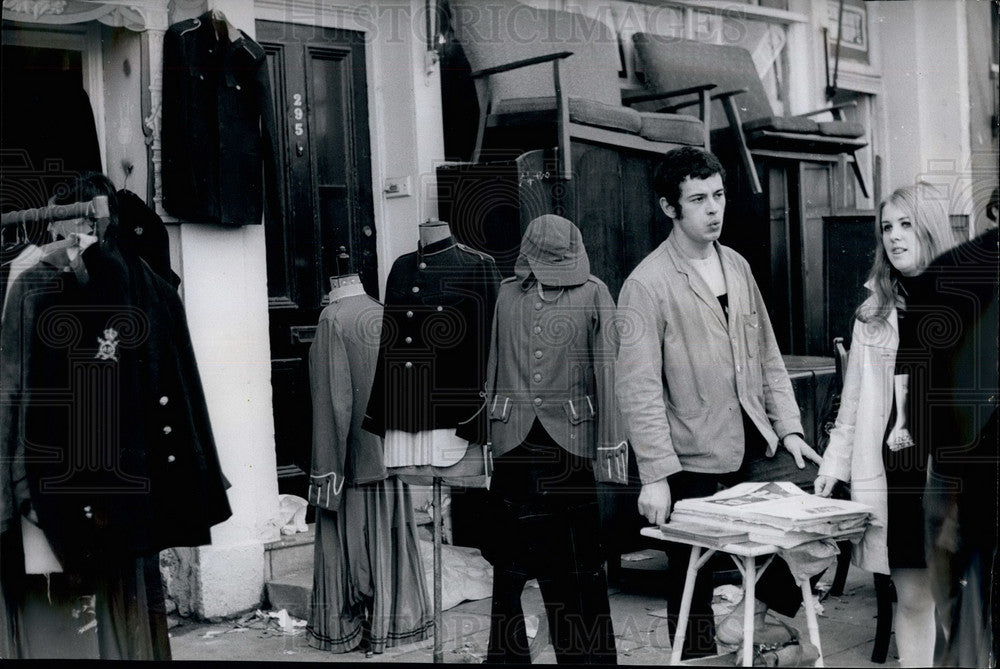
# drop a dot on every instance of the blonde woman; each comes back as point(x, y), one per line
point(872, 444)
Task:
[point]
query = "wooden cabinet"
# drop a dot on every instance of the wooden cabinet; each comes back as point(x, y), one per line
point(809, 248)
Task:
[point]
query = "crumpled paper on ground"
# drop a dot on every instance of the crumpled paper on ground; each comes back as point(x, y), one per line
point(465, 574)
point(274, 622)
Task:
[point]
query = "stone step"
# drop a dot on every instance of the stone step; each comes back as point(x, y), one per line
point(291, 591)
point(289, 554)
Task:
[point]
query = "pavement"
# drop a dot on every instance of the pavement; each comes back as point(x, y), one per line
point(846, 624)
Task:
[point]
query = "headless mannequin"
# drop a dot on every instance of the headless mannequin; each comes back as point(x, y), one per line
point(432, 230)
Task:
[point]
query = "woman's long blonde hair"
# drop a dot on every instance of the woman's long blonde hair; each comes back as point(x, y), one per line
point(933, 231)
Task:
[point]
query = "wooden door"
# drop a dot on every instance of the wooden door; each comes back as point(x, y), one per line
point(320, 95)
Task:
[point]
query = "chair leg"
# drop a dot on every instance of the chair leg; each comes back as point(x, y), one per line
point(858, 175)
point(733, 115)
point(481, 132)
point(883, 608)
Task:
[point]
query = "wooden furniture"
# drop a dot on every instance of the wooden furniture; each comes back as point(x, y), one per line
point(808, 246)
point(744, 554)
point(670, 63)
point(549, 78)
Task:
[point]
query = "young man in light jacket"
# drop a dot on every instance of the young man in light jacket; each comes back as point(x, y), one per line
point(701, 385)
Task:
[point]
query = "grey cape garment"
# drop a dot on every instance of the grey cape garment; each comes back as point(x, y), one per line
point(367, 562)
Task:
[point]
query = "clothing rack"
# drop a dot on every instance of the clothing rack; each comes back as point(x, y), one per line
point(96, 210)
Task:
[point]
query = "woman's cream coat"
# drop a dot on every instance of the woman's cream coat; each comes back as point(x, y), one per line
point(855, 450)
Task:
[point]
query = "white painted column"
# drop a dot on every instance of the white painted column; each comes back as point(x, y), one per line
point(224, 279)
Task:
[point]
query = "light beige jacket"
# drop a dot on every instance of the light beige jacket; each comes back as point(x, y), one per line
point(855, 450)
point(684, 371)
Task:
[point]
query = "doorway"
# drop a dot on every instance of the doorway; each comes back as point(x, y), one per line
point(319, 87)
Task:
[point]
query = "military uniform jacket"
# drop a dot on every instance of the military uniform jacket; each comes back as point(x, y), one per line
point(218, 126)
point(434, 344)
point(341, 367)
point(552, 357)
point(102, 414)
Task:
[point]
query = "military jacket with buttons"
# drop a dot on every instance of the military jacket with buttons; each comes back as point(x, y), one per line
point(104, 430)
point(218, 130)
point(552, 358)
point(434, 344)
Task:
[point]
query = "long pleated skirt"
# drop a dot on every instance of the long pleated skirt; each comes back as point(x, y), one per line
point(367, 571)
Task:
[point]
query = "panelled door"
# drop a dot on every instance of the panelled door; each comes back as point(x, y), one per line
point(318, 84)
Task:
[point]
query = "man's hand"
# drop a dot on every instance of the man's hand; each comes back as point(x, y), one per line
point(654, 501)
point(797, 446)
point(824, 485)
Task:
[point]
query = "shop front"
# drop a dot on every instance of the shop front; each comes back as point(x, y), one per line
point(369, 108)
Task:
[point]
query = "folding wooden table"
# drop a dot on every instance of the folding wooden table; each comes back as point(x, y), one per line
point(744, 554)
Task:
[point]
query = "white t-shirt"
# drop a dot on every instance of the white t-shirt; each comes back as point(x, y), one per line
point(710, 270)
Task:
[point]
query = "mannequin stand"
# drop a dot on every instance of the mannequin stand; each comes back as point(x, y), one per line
point(438, 520)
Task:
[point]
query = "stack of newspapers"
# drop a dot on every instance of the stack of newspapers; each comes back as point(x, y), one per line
point(781, 514)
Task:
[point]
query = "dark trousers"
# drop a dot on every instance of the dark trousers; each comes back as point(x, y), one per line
point(776, 586)
point(544, 509)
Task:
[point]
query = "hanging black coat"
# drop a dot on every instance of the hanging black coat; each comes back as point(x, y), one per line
point(435, 342)
point(218, 130)
point(101, 395)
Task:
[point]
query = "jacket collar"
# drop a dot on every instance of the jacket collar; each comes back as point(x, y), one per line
point(698, 285)
point(892, 319)
point(345, 286)
point(436, 247)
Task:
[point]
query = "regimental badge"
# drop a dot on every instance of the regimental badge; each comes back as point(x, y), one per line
point(107, 346)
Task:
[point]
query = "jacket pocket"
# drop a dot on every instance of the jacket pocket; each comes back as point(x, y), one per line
point(500, 408)
point(580, 410)
point(686, 412)
point(751, 330)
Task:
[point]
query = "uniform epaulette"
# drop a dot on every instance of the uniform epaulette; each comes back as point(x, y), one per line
point(256, 50)
point(594, 279)
point(479, 254)
point(186, 26)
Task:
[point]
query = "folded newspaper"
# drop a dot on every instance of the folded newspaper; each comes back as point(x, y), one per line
point(775, 513)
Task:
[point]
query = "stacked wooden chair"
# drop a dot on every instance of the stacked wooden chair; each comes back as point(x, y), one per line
point(744, 112)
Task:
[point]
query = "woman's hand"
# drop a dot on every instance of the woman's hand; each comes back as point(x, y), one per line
point(824, 485)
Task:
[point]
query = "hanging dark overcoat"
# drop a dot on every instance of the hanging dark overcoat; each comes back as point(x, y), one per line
point(218, 126)
point(102, 413)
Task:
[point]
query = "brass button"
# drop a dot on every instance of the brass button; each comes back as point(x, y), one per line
point(409, 364)
point(416, 289)
point(167, 429)
point(538, 354)
point(164, 400)
point(409, 314)
point(538, 329)
point(409, 340)
point(538, 306)
point(537, 377)
point(422, 265)
point(238, 87)
point(171, 458)
point(538, 401)
point(440, 308)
